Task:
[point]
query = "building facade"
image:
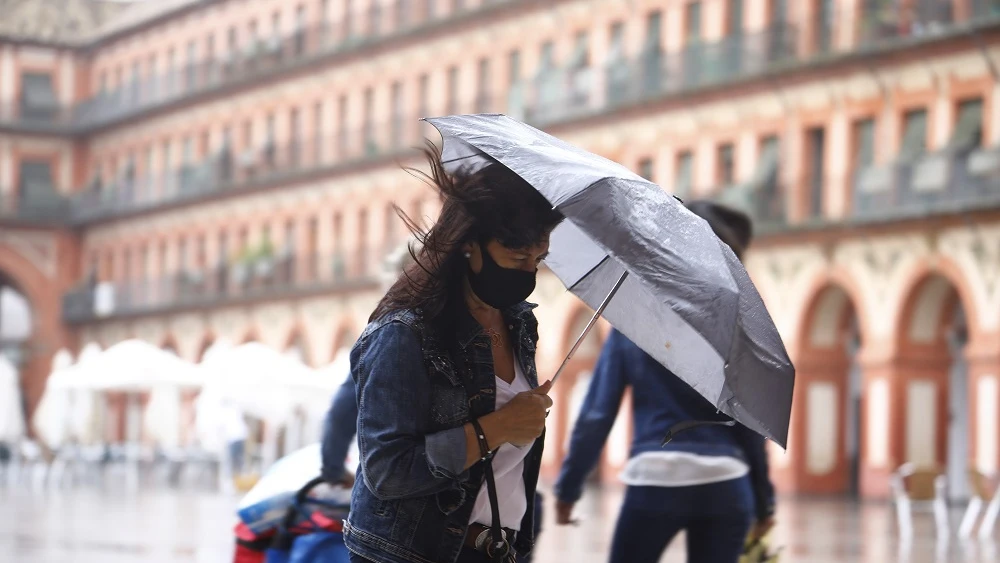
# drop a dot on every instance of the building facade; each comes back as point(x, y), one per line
point(184, 171)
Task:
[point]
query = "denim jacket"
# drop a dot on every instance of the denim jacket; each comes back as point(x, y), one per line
point(416, 388)
point(659, 400)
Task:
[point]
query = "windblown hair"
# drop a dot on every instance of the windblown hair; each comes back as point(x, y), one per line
point(490, 203)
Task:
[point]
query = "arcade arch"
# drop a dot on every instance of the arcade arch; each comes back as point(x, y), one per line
point(826, 436)
point(931, 339)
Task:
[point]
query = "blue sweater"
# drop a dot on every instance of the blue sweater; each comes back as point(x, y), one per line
point(659, 399)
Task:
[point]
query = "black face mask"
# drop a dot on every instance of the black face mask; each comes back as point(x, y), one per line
point(500, 287)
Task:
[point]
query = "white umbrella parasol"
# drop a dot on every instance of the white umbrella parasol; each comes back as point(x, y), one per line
point(252, 376)
point(135, 365)
point(51, 420)
point(162, 417)
point(315, 395)
point(86, 420)
point(220, 345)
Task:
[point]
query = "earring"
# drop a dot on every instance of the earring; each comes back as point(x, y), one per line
point(468, 255)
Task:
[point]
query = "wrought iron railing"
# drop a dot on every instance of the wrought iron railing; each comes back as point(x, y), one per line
point(566, 94)
point(944, 182)
point(234, 170)
point(44, 208)
point(871, 25)
point(260, 278)
point(262, 57)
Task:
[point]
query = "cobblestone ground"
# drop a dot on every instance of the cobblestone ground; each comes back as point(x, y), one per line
point(154, 526)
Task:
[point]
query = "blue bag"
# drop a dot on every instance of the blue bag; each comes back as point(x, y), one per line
point(317, 539)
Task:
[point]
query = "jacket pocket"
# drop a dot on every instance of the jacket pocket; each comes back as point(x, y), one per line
point(449, 406)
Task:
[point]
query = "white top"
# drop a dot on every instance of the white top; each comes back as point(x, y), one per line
point(680, 469)
point(508, 468)
point(234, 427)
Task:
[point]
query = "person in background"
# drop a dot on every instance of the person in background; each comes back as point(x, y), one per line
point(339, 433)
point(711, 480)
point(234, 430)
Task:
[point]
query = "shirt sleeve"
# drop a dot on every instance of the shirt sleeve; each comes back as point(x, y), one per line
point(400, 457)
point(597, 417)
point(339, 432)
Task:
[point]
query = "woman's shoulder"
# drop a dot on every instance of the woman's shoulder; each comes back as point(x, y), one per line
point(399, 322)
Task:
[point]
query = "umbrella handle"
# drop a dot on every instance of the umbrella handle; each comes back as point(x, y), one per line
point(590, 325)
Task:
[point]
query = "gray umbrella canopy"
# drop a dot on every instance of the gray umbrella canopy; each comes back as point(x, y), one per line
point(687, 300)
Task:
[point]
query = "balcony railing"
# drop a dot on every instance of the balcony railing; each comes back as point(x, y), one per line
point(232, 170)
point(262, 57)
point(44, 208)
point(941, 183)
point(565, 94)
point(937, 183)
point(863, 28)
point(279, 276)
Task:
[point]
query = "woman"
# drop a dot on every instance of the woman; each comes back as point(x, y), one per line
point(339, 433)
point(711, 481)
point(447, 391)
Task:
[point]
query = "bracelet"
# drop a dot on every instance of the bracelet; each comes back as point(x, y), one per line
point(484, 448)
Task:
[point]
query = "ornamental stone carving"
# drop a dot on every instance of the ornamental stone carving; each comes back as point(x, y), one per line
point(977, 254)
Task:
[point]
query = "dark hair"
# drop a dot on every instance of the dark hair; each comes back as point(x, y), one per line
point(490, 203)
point(731, 226)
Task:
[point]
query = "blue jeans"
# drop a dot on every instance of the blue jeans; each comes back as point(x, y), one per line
point(716, 516)
point(236, 450)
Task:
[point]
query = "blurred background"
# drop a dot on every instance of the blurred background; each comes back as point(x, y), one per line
point(196, 221)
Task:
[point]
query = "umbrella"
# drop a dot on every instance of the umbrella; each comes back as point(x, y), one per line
point(256, 379)
point(135, 365)
point(654, 270)
point(87, 405)
point(51, 418)
point(162, 417)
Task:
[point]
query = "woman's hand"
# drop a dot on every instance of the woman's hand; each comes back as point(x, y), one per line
point(761, 528)
point(522, 420)
point(519, 422)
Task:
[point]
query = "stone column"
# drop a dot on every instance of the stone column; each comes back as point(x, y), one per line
point(983, 358)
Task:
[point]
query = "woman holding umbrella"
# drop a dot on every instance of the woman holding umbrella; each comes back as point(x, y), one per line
point(450, 413)
point(712, 480)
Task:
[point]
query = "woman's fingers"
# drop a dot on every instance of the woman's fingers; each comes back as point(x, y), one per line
point(546, 400)
point(543, 389)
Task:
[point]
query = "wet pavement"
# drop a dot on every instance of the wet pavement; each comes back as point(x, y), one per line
point(154, 526)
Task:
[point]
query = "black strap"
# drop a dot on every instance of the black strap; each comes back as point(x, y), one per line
point(499, 547)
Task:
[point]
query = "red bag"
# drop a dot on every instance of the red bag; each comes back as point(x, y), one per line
point(251, 547)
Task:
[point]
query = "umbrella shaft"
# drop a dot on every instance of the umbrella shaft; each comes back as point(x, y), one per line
point(590, 325)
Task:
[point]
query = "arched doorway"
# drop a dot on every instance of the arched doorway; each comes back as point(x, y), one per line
point(825, 442)
point(931, 340)
point(16, 328)
point(16, 323)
